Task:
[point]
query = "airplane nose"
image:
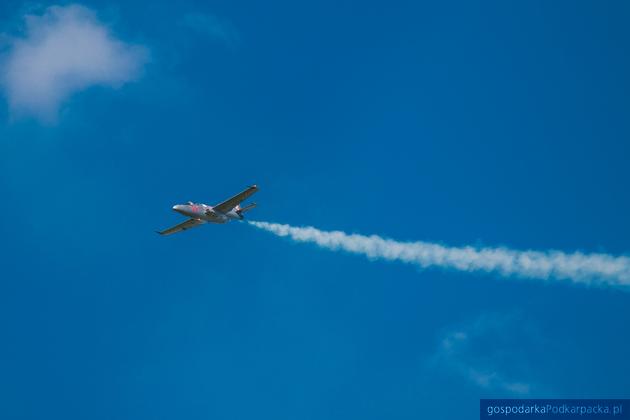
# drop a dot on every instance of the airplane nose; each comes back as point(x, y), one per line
point(176, 207)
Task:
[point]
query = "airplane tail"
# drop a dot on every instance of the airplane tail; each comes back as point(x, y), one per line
point(240, 210)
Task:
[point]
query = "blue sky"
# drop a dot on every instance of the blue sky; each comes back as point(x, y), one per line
point(460, 123)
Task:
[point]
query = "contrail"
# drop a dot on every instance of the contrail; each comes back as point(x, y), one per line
point(594, 269)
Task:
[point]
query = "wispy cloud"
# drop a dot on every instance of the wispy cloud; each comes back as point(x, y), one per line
point(577, 267)
point(479, 353)
point(212, 27)
point(62, 51)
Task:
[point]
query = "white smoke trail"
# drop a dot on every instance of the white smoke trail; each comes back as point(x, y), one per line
point(577, 267)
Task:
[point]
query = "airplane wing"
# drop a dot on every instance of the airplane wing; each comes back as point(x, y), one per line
point(190, 223)
point(230, 203)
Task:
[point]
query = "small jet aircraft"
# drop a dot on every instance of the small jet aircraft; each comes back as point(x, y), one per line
point(200, 214)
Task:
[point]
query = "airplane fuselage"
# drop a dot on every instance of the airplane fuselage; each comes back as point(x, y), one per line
point(206, 213)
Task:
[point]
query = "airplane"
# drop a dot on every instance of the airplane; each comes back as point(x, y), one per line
point(200, 214)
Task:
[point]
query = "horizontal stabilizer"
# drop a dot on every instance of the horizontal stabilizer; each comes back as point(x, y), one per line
point(246, 208)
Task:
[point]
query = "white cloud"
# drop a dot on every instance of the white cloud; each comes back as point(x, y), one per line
point(63, 51)
point(466, 352)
